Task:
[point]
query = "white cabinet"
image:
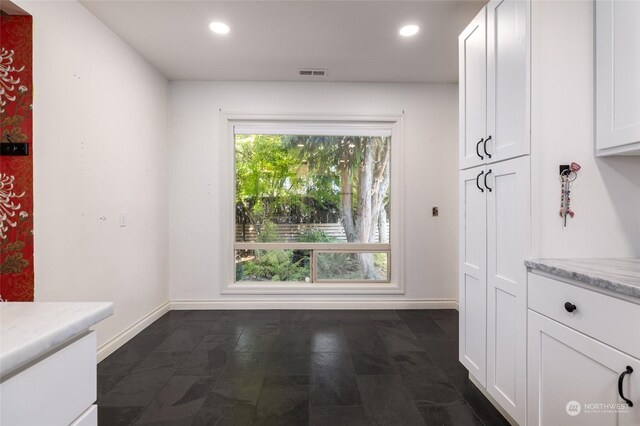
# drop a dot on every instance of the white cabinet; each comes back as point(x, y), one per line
point(55, 391)
point(472, 52)
point(507, 247)
point(508, 79)
point(595, 314)
point(472, 293)
point(494, 84)
point(48, 362)
point(617, 77)
point(573, 379)
point(494, 241)
point(494, 213)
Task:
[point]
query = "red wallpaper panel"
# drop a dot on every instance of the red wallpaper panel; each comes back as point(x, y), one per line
point(16, 173)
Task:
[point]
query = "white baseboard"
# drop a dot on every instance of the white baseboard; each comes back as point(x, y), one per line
point(225, 304)
point(315, 304)
point(116, 342)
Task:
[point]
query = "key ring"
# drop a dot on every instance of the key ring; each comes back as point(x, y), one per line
point(569, 175)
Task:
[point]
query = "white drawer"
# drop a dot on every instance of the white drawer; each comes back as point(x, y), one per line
point(88, 418)
point(54, 391)
point(612, 321)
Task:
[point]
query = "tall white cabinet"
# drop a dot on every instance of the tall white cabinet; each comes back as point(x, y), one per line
point(494, 200)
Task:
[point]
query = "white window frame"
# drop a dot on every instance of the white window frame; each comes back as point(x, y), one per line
point(394, 123)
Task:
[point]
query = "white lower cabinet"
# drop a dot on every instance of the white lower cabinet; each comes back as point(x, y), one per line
point(494, 241)
point(58, 390)
point(573, 379)
point(583, 356)
point(605, 318)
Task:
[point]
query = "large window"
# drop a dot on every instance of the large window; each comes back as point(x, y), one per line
point(312, 204)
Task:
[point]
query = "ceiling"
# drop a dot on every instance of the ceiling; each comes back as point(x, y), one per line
point(272, 40)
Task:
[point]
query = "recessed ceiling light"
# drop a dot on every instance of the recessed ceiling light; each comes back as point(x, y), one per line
point(219, 27)
point(409, 30)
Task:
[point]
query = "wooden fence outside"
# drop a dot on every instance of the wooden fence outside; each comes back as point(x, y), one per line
point(289, 232)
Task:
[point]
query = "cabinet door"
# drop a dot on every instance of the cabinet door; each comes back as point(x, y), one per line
point(473, 272)
point(472, 48)
point(617, 77)
point(508, 111)
point(573, 379)
point(507, 247)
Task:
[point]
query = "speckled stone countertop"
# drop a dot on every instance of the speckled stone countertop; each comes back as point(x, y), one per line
point(29, 330)
point(617, 275)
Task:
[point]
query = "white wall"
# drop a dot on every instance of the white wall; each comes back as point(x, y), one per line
point(430, 167)
point(100, 148)
point(606, 195)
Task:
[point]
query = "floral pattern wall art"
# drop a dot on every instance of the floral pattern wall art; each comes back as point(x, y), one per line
point(16, 172)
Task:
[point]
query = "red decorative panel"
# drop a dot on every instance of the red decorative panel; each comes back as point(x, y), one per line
point(16, 172)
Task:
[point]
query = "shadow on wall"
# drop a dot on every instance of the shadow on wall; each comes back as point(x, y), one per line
point(621, 176)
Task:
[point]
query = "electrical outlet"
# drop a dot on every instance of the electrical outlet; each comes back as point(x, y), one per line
point(434, 211)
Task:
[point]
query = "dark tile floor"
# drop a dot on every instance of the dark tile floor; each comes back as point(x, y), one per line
point(293, 368)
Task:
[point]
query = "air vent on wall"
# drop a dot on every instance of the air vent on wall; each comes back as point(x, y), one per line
point(312, 73)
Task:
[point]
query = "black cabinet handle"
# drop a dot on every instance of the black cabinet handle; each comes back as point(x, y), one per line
point(485, 180)
point(478, 148)
point(477, 181)
point(570, 307)
point(485, 146)
point(629, 370)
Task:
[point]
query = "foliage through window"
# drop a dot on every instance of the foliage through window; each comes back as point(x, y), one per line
point(312, 208)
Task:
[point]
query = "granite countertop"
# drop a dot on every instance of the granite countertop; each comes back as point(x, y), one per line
point(617, 275)
point(29, 330)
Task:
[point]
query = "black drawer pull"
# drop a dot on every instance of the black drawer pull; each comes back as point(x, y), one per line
point(629, 370)
point(478, 148)
point(570, 307)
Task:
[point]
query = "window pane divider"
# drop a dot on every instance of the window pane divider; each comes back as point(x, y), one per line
point(338, 247)
point(314, 266)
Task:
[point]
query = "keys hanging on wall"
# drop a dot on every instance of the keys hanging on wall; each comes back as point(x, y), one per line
point(568, 174)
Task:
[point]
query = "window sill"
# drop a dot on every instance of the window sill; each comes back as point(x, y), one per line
point(316, 288)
